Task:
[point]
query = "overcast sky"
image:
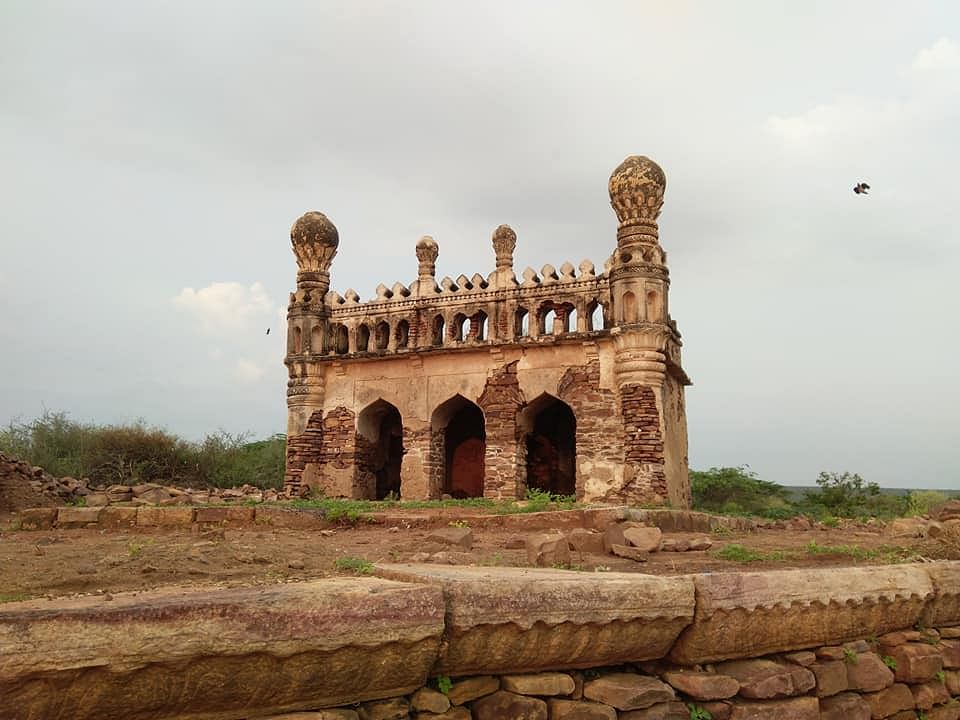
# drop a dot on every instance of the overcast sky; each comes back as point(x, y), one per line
point(153, 156)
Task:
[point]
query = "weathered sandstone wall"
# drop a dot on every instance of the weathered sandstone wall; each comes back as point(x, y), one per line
point(851, 643)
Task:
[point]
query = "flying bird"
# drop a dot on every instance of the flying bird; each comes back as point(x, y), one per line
point(268, 331)
point(861, 188)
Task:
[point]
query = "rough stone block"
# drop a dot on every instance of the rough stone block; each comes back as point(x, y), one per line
point(463, 691)
point(164, 516)
point(501, 705)
point(661, 711)
point(630, 553)
point(765, 679)
point(746, 614)
point(916, 662)
point(950, 650)
point(889, 701)
point(928, 694)
point(586, 541)
point(703, 685)
point(801, 708)
point(430, 700)
point(454, 713)
point(37, 518)
point(831, 677)
point(868, 673)
point(548, 550)
point(718, 710)
point(115, 517)
point(845, 706)
point(579, 710)
point(538, 684)
point(77, 517)
point(97, 499)
point(461, 537)
point(250, 651)
point(643, 538)
point(504, 620)
point(393, 709)
point(945, 712)
point(628, 691)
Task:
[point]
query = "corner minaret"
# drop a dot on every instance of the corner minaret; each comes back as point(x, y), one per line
point(315, 240)
point(650, 380)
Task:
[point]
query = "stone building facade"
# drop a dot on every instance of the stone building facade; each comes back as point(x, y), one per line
point(567, 380)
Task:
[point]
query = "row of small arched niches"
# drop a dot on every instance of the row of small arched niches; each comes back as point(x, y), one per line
point(550, 320)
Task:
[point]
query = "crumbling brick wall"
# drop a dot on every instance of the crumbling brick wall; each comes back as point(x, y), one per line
point(642, 444)
point(599, 431)
point(500, 401)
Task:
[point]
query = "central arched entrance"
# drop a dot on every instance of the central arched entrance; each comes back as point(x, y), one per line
point(460, 445)
point(550, 431)
point(380, 453)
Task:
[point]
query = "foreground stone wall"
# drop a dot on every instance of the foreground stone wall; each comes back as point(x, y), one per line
point(499, 643)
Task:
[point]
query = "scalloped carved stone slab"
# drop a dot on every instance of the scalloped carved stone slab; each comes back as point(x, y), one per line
point(502, 620)
point(217, 654)
point(944, 608)
point(748, 614)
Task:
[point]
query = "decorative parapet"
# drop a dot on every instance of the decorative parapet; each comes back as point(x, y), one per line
point(512, 619)
point(746, 614)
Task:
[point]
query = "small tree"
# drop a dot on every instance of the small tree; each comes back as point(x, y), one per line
point(844, 495)
point(736, 489)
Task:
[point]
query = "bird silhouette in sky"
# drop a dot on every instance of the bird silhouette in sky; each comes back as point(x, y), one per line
point(861, 188)
point(268, 331)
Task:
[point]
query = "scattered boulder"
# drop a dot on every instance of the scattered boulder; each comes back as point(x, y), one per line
point(548, 550)
point(643, 538)
point(630, 553)
point(461, 537)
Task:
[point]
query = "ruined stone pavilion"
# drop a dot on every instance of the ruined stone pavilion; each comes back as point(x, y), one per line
point(565, 380)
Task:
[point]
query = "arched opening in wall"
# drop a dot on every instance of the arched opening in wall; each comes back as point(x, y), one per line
point(379, 450)
point(363, 338)
point(436, 331)
point(654, 309)
point(459, 444)
point(478, 326)
point(572, 320)
point(403, 334)
point(521, 323)
point(456, 327)
point(297, 341)
point(381, 335)
point(547, 319)
point(595, 316)
point(341, 341)
point(550, 431)
point(316, 339)
point(629, 307)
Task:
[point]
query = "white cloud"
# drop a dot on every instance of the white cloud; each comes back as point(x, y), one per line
point(247, 371)
point(227, 306)
point(846, 117)
point(942, 55)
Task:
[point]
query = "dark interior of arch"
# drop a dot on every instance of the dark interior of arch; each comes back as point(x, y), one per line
point(552, 451)
point(385, 454)
point(464, 449)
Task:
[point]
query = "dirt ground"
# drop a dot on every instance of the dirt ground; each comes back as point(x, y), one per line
point(55, 563)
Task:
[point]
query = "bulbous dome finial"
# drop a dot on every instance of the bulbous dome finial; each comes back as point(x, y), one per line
point(636, 192)
point(315, 240)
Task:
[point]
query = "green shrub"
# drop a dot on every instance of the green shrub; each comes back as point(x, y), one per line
point(736, 491)
point(136, 452)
